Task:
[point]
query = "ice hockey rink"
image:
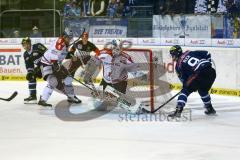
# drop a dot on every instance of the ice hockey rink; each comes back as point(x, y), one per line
point(30, 132)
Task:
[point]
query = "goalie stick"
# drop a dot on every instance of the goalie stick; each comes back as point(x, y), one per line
point(147, 111)
point(11, 97)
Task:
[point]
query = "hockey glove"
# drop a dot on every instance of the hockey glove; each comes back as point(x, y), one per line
point(56, 66)
point(37, 72)
point(30, 76)
point(60, 70)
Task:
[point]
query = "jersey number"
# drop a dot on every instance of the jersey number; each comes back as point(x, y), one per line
point(193, 61)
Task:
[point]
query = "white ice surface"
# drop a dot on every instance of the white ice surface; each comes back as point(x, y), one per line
point(28, 132)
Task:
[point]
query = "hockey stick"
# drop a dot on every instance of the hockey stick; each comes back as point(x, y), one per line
point(81, 83)
point(78, 37)
point(147, 111)
point(11, 97)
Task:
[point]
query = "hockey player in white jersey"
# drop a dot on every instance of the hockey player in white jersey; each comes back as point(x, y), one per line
point(54, 73)
point(116, 66)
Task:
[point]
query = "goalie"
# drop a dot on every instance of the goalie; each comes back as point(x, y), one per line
point(116, 66)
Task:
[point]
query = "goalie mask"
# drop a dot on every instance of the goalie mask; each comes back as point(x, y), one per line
point(116, 47)
point(67, 33)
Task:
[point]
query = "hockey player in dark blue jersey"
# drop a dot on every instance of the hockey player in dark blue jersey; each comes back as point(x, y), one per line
point(195, 70)
point(32, 56)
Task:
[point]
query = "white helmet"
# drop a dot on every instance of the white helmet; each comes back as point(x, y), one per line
point(116, 46)
point(68, 33)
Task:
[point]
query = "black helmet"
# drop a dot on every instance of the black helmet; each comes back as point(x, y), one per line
point(26, 40)
point(176, 51)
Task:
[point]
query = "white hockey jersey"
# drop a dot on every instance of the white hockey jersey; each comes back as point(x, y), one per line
point(56, 52)
point(116, 68)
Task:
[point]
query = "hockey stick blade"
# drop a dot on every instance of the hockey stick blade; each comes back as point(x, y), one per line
point(147, 111)
point(11, 97)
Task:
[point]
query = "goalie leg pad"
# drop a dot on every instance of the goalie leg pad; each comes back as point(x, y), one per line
point(90, 69)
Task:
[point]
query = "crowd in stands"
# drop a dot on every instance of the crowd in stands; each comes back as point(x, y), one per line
point(141, 9)
point(109, 8)
point(129, 8)
point(17, 34)
point(197, 7)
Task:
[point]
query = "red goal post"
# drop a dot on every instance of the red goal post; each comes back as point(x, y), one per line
point(145, 56)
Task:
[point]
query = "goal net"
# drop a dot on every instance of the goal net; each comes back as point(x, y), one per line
point(151, 91)
point(154, 90)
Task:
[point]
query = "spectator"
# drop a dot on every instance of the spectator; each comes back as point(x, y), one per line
point(35, 33)
point(16, 34)
point(222, 6)
point(212, 6)
point(173, 7)
point(86, 7)
point(1, 35)
point(112, 8)
point(190, 6)
point(98, 7)
point(66, 9)
point(237, 2)
point(176, 6)
point(72, 9)
point(120, 7)
point(128, 10)
point(132, 2)
point(232, 8)
point(159, 7)
point(200, 7)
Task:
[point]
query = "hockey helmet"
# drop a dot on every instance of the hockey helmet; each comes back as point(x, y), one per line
point(116, 46)
point(68, 33)
point(26, 40)
point(116, 43)
point(85, 35)
point(176, 51)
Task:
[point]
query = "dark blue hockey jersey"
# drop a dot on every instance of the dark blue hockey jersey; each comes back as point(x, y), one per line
point(192, 62)
point(33, 57)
